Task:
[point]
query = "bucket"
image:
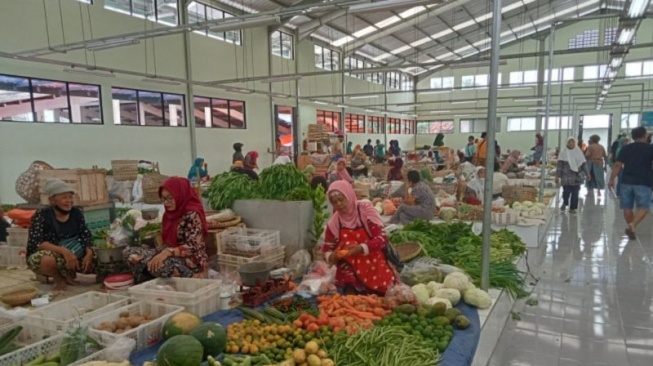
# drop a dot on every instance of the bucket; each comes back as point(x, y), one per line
point(109, 255)
point(255, 273)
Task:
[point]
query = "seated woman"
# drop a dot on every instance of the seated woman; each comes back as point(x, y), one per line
point(510, 165)
point(475, 191)
point(183, 253)
point(341, 172)
point(358, 164)
point(395, 172)
point(355, 242)
point(238, 167)
point(250, 161)
point(198, 171)
point(498, 181)
point(59, 243)
point(420, 205)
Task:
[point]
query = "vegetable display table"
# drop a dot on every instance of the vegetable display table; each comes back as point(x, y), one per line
point(460, 351)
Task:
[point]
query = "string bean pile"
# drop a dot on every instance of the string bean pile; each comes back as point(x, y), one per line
point(387, 346)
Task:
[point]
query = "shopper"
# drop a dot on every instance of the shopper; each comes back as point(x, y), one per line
point(510, 165)
point(616, 145)
point(369, 149)
point(395, 173)
point(439, 140)
point(238, 153)
point(419, 205)
point(337, 148)
point(379, 152)
point(571, 173)
point(183, 253)
point(350, 147)
point(355, 243)
point(359, 164)
point(340, 173)
point(59, 243)
point(596, 158)
point(635, 160)
point(470, 149)
point(538, 148)
point(481, 150)
point(238, 167)
point(623, 142)
point(498, 180)
point(198, 171)
point(251, 160)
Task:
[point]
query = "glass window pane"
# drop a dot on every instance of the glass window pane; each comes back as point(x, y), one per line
point(530, 76)
point(121, 6)
point(287, 46)
point(167, 13)
point(85, 105)
point(144, 9)
point(465, 126)
point(150, 106)
point(50, 101)
point(197, 14)
point(514, 124)
point(481, 80)
point(447, 82)
point(237, 114)
point(591, 72)
point(125, 107)
point(596, 121)
point(633, 69)
point(528, 124)
point(317, 50)
point(173, 110)
point(647, 68)
point(335, 60)
point(568, 74)
point(212, 14)
point(202, 111)
point(15, 104)
point(220, 113)
point(275, 42)
point(468, 81)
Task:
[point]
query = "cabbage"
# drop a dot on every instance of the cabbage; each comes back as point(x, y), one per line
point(517, 206)
point(448, 213)
point(540, 205)
point(421, 293)
point(527, 203)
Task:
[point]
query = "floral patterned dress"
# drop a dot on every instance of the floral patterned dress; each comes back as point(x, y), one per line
point(191, 261)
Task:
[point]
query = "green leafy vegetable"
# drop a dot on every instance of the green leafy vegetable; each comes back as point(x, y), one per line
point(278, 182)
point(227, 187)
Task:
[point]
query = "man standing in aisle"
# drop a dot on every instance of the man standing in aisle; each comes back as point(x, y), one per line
point(470, 149)
point(636, 160)
point(481, 150)
point(368, 149)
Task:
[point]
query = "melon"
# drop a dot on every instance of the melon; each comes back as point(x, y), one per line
point(180, 323)
point(180, 350)
point(212, 336)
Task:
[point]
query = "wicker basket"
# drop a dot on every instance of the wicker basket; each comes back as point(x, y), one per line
point(124, 170)
point(215, 224)
point(519, 193)
point(408, 251)
point(27, 185)
point(19, 296)
point(151, 184)
point(474, 213)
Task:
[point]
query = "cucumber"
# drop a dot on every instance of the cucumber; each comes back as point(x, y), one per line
point(8, 349)
point(274, 313)
point(253, 314)
point(54, 358)
point(9, 336)
point(37, 361)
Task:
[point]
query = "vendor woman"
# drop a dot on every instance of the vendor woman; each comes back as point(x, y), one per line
point(183, 253)
point(341, 172)
point(419, 205)
point(355, 242)
point(59, 243)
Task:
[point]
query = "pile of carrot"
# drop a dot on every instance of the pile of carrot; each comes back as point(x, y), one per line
point(348, 312)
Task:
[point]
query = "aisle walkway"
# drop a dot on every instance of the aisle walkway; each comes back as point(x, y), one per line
point(595, 295)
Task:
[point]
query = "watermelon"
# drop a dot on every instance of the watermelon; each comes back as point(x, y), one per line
point(180, 323)
point(181, 350)
point(213, 338)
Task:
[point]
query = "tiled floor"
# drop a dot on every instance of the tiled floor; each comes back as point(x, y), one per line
point(595, 295)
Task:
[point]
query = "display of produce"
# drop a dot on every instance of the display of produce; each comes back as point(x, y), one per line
point(180, 350)
point(180, 323)
point(126, 322)
point(212, 336)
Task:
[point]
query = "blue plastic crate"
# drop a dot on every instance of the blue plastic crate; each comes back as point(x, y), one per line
point(98, 219)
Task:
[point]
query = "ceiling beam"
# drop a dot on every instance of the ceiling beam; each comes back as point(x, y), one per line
point(305, 29)
point(351, 47)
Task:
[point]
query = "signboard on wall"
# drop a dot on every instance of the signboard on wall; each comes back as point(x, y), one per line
point(647, 120)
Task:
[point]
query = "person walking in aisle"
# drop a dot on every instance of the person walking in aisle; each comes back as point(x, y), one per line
point(481, 150)
point(470, 149)
point(379, 152)
point(570, 173)
point(538, 148)
point(636, 160)
point(596, 157)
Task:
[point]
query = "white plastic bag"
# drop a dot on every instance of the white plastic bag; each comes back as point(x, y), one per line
point(299, 263)
point(137, 191)
point(120, 349)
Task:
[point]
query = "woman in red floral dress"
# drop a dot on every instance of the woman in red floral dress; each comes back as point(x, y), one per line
point(354, 242)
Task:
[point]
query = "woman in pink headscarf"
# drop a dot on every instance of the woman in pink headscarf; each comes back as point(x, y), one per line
point(354, 243)
point(341, 173)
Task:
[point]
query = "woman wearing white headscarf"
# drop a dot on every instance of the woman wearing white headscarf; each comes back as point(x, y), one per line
point(571, 173)
point(476, 186)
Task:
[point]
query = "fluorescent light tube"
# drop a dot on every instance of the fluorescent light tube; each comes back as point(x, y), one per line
point(435, 92)
point(108, 45)
point(279, 95)
point(320, 102)
point(436, 112)
point(364, 96)
point(230, 24)
point(465, 102)
point(536, 108)
point(90, 72)
point(518, 88)
point(474, 64)
point(462, 115)
point(637, 8)
point(274, 79)
point(612, 74)
point(528, 100)
point(160, 81)
point(369, 110)
point(408, 105)
point(616, 62)
point(239, 90)
point(626, 36)
point(341, 106)
point(387, 5)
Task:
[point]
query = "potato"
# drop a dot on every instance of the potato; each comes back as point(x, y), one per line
point(125, 314)
point(135, 321)
point(144, 321)
point(122, 323)
point(119, 331)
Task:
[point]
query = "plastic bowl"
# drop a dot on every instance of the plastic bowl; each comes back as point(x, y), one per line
point(119, 281)
point(150, 213)
point(255, 273)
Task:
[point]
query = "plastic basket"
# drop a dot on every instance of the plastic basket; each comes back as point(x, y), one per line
point(36, 342)
point(13, 257)
point(230, 263)
point(199, 296)
point(17, 237)
point(64, 314)
point(510, 217)
point(97, 219)
point(145, 335)
point(249, 242)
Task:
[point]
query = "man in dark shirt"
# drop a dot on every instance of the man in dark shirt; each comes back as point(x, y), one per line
point(636, 160)
point(368, 149)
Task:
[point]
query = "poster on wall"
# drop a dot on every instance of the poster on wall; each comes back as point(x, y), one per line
point(647, 120)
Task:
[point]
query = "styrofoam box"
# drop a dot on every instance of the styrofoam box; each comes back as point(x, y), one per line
point(145, 335)
point(13, 257)
point(62, 315)
point(199, 296)
point(36, 342)
point(17, 237)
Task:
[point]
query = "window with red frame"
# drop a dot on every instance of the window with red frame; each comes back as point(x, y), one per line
point(394, 126)
point(330, 119)
point(354, 123)
point(408, 126)
point(374, 124)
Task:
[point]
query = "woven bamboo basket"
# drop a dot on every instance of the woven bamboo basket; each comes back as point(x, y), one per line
point(449, 188)
point(519, 193)
point(151, 184)
point(19, 296)
point(27, 185)
point(124, 170)
point(408, 251)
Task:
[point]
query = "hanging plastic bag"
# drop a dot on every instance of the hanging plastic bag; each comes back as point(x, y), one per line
point(137, 191)
point(120, 349)
point(299, 263)
point(320, 280)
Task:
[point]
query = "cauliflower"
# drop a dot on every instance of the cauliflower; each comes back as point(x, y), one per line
point(450, 294)
point(517, 206)
point(421, 292)
point(527, 203)
point(434, 300)
point(433, 286)
point(477, 297)
point(379, 208)
point(136, 214)
point(456, 280)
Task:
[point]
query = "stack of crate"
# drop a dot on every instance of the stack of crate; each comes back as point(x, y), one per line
point(316, 135)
